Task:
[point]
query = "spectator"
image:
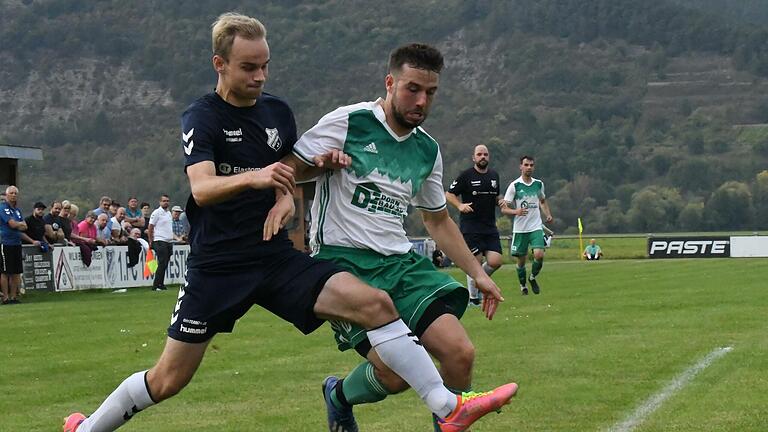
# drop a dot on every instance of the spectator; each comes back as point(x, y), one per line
point(133, 214)
point(78, 237)
point(592, 252)
point(160, 236)
point(440, 260)
point(11, 227)
point(179, 230)
point(103, 230)
point(119, 234)
point(66, 221)
point(103, 207)
point(136, 245)
point(146, 211)
point(54, 220)
point(36, 228)
point(86, 229)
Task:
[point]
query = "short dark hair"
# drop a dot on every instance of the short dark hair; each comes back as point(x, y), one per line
point(530, 158)
point(417, 55)
point(144, 204)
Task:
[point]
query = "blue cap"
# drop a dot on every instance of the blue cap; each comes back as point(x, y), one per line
point(44, 247)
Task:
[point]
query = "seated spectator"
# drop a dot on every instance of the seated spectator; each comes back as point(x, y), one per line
point(103, 230)
point(67, 222)
point(103, 207)
point(136, 245)
point(56, 222)
point(592, 252)
point(86, 230)
point(119, 234)
point(133, 213)
point(179, 230)
point(440, 260)
point(36, 227)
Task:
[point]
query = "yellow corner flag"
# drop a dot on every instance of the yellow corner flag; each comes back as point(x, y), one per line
point(151, 266)
point(581, 243)
point(581, 228)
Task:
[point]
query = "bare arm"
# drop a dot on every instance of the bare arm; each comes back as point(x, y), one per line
point(449, 239)
point(454, 201)
point(545, 208)
point(21, 226)
point(335, 159)
point(150, 234)
point(208, 188)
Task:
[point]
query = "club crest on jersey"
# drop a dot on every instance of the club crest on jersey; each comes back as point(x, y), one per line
point(273, 139)
point(493, 184)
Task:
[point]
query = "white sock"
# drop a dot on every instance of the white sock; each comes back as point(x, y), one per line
point(402, 352)
point(488, 269)
point(130, 397)
point(473, 292)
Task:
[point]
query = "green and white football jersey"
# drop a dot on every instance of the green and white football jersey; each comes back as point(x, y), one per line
point(522, 195)
point(364, 205)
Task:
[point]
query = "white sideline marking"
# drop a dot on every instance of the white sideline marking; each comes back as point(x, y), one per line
point(655, 401)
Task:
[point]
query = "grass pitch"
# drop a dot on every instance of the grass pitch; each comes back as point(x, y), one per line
point(601, 340)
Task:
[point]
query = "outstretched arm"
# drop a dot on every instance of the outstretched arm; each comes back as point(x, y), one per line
point(449, 239)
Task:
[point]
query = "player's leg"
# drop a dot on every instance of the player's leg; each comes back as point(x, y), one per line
point(472, 243)
point(346, 298)
point(537, 244)
point(475, 297)
point(171, 373)
point(4, 287)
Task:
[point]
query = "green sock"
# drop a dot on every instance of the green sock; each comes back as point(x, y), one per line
point(536, 267)
point(359, 387)
point(521, 275)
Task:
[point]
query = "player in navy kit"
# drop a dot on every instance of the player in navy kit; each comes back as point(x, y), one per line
point(232, 141)
point(478, 188)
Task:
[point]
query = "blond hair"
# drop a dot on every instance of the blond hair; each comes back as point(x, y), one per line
point(229, 25)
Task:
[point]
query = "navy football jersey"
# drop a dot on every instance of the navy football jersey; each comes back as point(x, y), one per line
point(228, 234)
point(482, 190)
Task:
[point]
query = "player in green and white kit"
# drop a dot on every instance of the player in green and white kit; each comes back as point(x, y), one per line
point(389, 163)
point(525, 200)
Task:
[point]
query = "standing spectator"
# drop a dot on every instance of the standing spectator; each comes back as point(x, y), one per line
point(56, 233)
point(36, 228)
point(160, 236)
point(179, 230)
point(11, 226)
point(103, 230)
point(133, 214)
point(119, 234)
point(86, 229)
point(592, 252)
point(146, 211)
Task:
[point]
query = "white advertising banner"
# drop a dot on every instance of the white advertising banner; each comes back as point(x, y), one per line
point(109, 268)
point(749, 246)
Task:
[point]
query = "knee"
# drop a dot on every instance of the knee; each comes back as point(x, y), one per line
point(377, 310)
point(538, 255)
point(391, 381)
point(463, 357)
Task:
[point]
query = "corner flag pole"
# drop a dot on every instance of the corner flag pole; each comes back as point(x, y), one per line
point(581, 244)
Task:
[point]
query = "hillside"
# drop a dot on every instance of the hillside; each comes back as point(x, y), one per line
point(624, 104)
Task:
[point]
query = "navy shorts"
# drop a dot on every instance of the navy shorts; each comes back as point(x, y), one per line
point(286, 284)
point(479, 243)
point(10, 259)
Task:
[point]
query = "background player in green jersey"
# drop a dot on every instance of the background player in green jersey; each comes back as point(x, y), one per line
point(525, 200)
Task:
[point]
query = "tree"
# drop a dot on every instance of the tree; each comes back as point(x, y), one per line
point(729, 207)
point(760, 200)
point(655, 209)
